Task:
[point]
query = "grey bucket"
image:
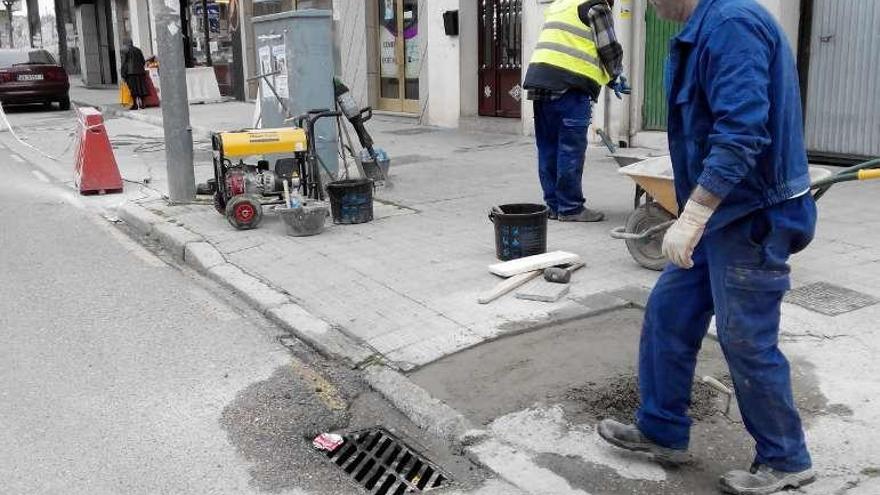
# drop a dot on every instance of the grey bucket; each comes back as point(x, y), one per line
point(306, 220)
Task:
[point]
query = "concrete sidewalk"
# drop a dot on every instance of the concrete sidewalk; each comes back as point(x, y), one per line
point(403, 288)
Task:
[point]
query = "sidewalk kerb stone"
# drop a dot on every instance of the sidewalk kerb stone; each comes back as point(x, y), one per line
point(255, 292)
point(138, 218)
point(319, 334)
point(174, 238)
point(419, 406)
point(202, 256)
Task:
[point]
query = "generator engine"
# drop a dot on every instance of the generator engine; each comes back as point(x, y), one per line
point(240, 188)
point(250, 179)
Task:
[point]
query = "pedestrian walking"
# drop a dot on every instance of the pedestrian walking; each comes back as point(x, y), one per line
point(741, 176)
point(576, 55)
point(134, 74)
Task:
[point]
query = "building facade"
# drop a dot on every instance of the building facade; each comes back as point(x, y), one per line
point(460, 63)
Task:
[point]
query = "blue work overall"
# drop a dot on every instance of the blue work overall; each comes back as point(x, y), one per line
point(740, 275)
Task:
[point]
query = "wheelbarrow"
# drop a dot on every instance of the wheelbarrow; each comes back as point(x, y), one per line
point(656, 207)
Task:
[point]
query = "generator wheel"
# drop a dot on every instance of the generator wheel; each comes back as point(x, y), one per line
point(244, 212)
point(647, 252)
point(219, 203)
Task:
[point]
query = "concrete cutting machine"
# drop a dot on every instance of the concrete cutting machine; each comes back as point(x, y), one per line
point(241, 189)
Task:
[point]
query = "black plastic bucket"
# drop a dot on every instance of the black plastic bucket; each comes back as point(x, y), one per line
point(351, 201)
point(520, 230)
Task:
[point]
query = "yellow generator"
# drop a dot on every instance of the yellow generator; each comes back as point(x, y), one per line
point(241, 189)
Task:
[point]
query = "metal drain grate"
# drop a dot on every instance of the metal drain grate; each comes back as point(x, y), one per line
point(829, 299)
point(384, 465)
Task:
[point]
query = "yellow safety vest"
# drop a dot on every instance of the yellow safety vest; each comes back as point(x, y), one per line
point(568, 43)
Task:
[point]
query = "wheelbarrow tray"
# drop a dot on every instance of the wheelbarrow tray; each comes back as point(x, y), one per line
point(654, 175)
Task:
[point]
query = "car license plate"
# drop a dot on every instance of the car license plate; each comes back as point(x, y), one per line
point(30, 77)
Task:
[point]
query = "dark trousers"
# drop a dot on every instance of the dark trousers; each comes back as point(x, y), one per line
point(561, 134)
point(740, 275)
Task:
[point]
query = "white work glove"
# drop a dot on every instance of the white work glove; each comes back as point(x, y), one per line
point(683, 236)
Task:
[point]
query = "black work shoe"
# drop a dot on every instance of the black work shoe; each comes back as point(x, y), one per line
point(587, 215)
point(552, 215)
point(764, 480)
point(630, 438)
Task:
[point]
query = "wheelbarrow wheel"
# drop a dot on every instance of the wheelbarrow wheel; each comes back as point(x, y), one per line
point(647, 252)
point(244, 212)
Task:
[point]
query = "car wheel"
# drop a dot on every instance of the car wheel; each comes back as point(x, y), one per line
point(64, 103)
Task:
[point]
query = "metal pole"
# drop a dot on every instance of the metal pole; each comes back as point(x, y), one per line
point(61, 27)
point(9, 21)
point(175, 106)
point(206, 26)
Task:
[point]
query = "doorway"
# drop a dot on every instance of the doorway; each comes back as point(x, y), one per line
point(658, 32)
point(400, 55)
point(500, 60)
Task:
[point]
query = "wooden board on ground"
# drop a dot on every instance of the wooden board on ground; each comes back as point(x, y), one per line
point(531, 263)
point(507, 285)
point(543, 291)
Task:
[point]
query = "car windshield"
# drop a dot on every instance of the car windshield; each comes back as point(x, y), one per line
point(9, 58)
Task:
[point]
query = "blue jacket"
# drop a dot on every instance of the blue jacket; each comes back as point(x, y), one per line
point(735, 117)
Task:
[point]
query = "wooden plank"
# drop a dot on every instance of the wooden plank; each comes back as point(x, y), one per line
point(543, 291)
point(530, 263)
point(508, 285)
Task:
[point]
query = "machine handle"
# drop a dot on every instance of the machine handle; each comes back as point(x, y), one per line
point(366, 114)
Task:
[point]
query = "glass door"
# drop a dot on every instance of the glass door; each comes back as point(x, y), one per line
point(400, 55)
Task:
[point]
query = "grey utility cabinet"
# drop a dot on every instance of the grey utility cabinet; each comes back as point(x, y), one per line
point(299, 45)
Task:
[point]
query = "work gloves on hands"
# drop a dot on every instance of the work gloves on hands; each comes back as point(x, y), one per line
point(683, 236)
point(620, 87)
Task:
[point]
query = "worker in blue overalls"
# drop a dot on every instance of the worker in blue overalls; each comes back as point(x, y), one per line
point(576, 55)
point(741, 176)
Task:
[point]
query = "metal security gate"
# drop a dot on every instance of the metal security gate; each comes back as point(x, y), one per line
point(500, 58)
point(843, 89)
point(657, 35)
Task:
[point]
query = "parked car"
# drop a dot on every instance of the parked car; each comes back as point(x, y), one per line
point(30, 75)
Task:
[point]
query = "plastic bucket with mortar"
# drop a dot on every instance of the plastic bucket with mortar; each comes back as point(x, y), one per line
point(520, 230)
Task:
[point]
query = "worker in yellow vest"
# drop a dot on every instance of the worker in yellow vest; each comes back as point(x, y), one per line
point(576, 56)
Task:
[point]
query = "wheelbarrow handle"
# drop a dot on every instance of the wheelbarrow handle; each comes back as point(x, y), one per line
point(863, 171)
point(621, 233)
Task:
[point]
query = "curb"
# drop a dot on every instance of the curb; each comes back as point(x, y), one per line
point(420, 407)
point(200, 133)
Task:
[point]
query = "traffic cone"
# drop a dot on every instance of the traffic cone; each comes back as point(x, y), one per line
point(95, 170)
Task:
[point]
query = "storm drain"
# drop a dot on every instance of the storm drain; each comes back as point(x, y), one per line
point(383, 464)
point(829, 299)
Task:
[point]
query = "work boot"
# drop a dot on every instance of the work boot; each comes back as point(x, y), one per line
point(587, 215)
point(630, 438)
point(764, 480)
